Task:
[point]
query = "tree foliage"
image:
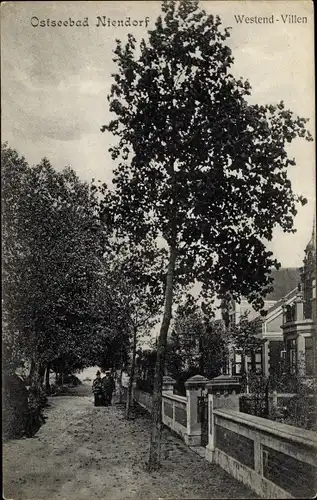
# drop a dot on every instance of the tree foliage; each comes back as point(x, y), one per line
point(55, 306)
point(197, 345)
point(137, 289)
point(199, 165)
point(245, 336)
point(245, 339)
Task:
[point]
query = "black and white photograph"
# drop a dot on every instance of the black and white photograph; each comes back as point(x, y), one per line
point(159, 302)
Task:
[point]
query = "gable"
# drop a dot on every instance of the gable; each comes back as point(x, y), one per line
point(274, 324)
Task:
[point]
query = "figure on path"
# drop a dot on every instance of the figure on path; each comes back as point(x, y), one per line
point(15, 413)
point(108, 384)
point(124, 384)
point(97, 390)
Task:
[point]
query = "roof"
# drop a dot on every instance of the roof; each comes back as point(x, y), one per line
point(291, 295)
point(285, 280)
point(311, 246)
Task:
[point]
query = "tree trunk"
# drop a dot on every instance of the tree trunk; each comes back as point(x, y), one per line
point(32, 371)
point(36, 373)
point(120, 385)
point(246, 373)
point(47, 379)
point(129, 395)
point(154, 458)
point(201, 357)
point(41, 374)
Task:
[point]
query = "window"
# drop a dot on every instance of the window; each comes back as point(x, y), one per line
point(307, 299)
point(254, 362)
point(290, 313)
point(309, 359)
point(258, 361)
point(277, 357)
point(291, 355)
point(237, 363)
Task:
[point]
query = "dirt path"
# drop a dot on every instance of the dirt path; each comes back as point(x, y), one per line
point(87, 453)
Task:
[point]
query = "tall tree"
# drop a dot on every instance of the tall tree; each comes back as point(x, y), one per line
point(137, 288)
point(199, 166)
point(196, 345)
point(13, 177)
point(54, 306)
point(245, 337)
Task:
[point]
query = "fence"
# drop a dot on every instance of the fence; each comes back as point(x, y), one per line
point(274, 459)
point(261, 404)
point(144, 399)
point(285, 407)
point(174, 413)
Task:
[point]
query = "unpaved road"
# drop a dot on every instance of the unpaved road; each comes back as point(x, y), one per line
point(88, 453)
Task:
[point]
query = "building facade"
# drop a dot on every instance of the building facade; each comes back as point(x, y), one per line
point(288, 330)
point(269, 357)
point(300, 317)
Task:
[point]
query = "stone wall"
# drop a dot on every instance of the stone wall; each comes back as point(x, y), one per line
point(174, 413)
point(144, 399)
point(274, 459)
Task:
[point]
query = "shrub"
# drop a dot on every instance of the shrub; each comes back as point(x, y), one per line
point(15, 406)
point(145, 385)
point(302, 412)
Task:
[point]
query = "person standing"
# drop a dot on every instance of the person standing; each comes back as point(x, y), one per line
point(125, 384)
point(97, 390)
point(108, 384)
point(125, 379)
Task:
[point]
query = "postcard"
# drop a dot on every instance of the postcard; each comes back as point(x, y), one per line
point(185, 128)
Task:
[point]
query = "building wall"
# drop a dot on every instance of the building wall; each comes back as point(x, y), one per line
point(274, 325)
point(299, 329)
point(245, 307)
point(314, 301)
point(275, 349)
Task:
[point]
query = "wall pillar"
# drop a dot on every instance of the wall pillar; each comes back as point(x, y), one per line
point(231, 359)
point(301, 355)
point(195, 388)
point(265, 362)
point(223, 392)
point(299, 308)
point(168, 384)
point(168, 387)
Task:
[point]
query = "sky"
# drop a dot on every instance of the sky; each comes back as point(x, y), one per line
point(55, 82)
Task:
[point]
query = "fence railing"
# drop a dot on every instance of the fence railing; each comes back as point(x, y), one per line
point(144, 399)
point(174, 413)
point(274, 459)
